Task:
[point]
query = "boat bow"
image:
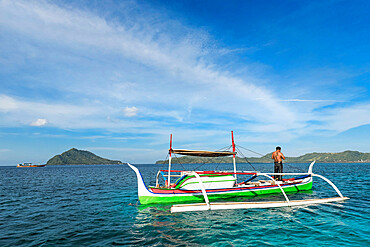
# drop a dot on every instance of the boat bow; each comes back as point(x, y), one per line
point(141, 187)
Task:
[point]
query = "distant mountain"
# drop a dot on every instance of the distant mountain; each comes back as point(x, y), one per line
point(342, 157)
point(79, 157)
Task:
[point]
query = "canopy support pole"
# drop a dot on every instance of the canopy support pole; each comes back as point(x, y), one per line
point(234, 159)
point(169, 163)
point(156, 179)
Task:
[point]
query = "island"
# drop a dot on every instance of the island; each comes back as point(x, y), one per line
point(79, 157)
point(341, 157)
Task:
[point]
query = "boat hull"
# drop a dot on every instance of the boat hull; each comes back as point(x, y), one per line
point(32, 166)
point(171, 196)
point(153, 195)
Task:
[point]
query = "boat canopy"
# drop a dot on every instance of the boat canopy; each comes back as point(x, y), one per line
point(202, 153)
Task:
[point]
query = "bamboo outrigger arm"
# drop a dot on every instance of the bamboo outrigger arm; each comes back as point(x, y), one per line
point(270, 204)
point(143, 191)
point(282, 191)
point(203, 189)
point(329, 182)
point(206, 196)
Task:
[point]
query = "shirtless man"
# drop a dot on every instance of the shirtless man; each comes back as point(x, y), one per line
point(278, 158)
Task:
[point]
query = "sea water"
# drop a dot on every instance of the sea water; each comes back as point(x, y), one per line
point(97, 205)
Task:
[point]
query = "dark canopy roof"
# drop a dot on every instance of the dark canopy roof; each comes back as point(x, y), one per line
point(202, 153)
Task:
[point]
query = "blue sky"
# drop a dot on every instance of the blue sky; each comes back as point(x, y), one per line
point(118, 77)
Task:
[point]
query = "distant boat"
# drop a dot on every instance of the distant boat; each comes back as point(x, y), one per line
point(29, 165)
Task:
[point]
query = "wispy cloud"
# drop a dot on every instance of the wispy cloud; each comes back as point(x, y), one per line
point(179, 60)
point(7, 103)
point(344, 118)
point(23, 112)
point(309, 100)
point(147, 73)
point(143, 150)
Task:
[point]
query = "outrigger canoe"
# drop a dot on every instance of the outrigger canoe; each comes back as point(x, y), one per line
point(204, 188)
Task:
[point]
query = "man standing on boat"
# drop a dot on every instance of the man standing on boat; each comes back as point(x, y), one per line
point(278, 158)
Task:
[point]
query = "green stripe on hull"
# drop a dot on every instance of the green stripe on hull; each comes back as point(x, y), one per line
point(214, 197)
point(202, 175)
point(205, 182)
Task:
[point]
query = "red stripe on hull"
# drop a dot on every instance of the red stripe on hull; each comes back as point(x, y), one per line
point(218, 173)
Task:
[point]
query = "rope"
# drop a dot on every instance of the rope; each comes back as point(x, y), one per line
point(237, 148)
point(164, 162)
point(227, 148)
point(252, 151)
point(295, 167)
point(179, 162)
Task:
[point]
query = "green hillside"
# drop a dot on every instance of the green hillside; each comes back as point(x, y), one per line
point(342, 157)
point(79, 157)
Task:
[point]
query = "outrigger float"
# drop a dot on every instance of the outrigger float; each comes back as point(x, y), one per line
point(206, 187)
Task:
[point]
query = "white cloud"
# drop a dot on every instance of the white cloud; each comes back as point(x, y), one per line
point(39, 122)
point(130, 111)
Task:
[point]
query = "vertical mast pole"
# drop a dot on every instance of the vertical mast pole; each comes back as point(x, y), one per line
point(234, 161)
point(169, 163)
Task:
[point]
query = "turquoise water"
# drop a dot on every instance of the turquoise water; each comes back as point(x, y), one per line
point(97, 206)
